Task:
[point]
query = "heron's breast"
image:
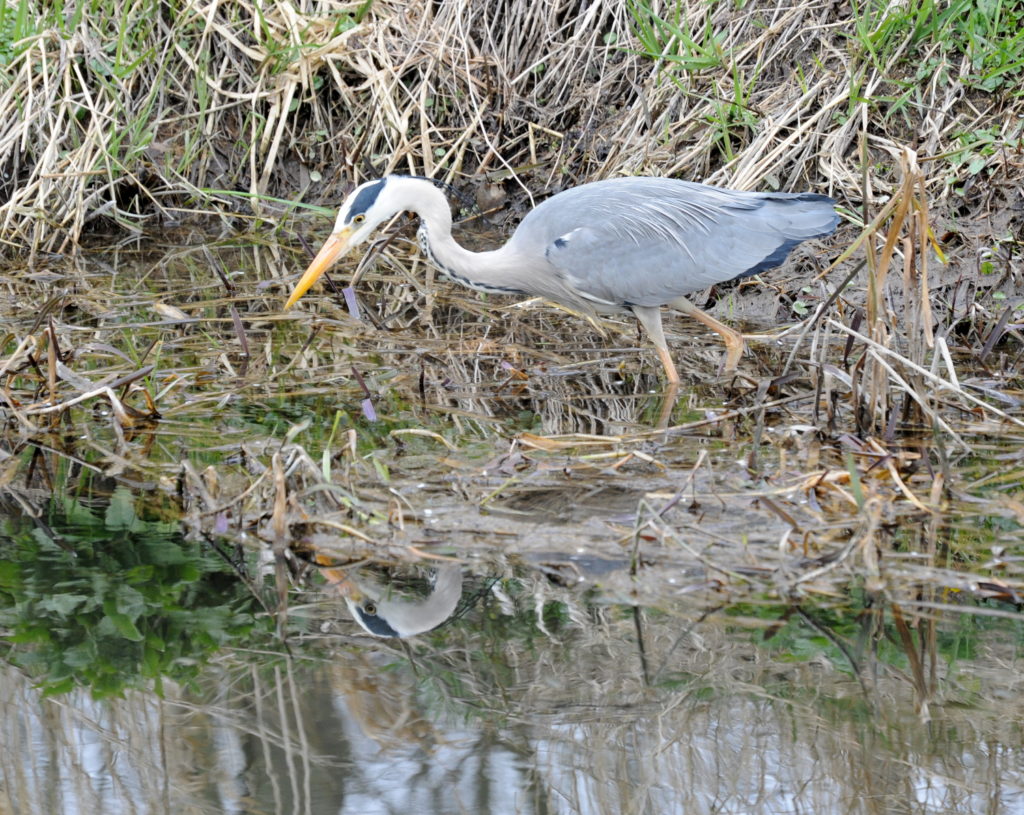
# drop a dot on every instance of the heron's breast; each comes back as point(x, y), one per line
point(601, 305)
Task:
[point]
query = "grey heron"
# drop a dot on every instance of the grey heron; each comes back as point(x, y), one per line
point(384, 613)
point(630, 244)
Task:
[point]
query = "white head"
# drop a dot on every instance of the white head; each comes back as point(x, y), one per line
point(382, 614)
point(366, 208)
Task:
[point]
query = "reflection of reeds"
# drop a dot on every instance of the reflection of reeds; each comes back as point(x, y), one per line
point(565, 717)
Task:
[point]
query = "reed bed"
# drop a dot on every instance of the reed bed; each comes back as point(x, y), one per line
point(135, 114)
point(132, 116)
point(850, 457)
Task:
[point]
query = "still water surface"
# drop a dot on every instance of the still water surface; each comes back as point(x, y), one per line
point(468, 723)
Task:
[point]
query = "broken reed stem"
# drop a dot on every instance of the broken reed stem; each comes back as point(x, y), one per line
point(941, 384)
point(905, 231)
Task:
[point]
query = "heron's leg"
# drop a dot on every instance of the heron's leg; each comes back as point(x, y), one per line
point(650, 319)
point(668, 401)
point(734, 344)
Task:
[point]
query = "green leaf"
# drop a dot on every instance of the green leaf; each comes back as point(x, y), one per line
point(80, 656)
point(30, 634)
point(58, 688)
point(10, 574)
point(121, 510)
point(130, 602)
point(62, 604)
point(123, 625)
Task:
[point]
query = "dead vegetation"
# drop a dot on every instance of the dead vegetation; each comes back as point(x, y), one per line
point(844, 460)
point(138, 116)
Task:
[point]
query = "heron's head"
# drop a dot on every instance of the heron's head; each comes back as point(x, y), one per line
point(383, 613)
point(366, 208)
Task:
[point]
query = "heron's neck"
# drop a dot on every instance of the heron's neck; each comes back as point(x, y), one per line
point(497, 271)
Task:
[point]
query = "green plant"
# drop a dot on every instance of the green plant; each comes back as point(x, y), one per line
point(106, 599)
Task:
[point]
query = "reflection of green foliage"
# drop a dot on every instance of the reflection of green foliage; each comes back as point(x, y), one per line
point(126, 602)
point(444, 687)
point(796, 640)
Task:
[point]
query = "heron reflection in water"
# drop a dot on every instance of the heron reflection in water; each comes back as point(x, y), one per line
point(382, 612)
point(619, 245)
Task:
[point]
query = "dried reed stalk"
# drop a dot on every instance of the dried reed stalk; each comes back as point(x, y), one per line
point(131, 116)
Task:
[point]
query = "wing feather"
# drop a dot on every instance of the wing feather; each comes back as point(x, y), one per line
point(646, 241)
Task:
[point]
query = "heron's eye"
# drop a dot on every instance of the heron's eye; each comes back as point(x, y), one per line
point(370, 608)
point(359, 219)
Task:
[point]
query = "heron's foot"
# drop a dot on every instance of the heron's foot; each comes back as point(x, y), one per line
point(734, 348)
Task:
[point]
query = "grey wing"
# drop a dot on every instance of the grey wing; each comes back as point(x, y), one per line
point(646, 241)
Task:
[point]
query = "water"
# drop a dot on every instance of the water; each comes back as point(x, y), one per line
point(742, 614)
point(492, 716)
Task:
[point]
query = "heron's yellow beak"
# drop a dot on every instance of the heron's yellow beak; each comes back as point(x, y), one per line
point(334, 248)
point(344, 585)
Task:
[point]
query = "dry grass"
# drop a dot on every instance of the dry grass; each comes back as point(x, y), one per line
point(131, 117)
point(852, 445)
point(134, 115)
